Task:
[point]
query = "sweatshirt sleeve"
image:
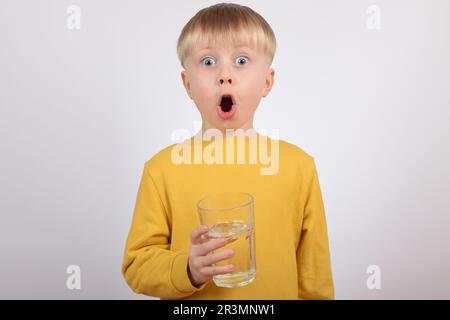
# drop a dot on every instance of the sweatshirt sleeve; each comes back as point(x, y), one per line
point(315, 279)
point(149, 266)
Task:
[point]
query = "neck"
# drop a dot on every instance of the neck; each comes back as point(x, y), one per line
point(227, 132)
point(246, 129)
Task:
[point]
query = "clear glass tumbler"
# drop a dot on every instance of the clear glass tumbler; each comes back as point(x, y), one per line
point(230, 215)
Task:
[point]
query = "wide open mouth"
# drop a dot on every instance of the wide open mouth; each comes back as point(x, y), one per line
point(226, 102)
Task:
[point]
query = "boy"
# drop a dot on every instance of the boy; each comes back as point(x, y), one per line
point(226, 51)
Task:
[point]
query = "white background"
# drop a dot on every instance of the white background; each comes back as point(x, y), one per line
point(82, 110)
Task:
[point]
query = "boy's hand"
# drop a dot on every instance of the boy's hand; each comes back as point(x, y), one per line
point(200, 268)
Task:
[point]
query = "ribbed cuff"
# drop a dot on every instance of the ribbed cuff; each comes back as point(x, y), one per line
point(179, 275)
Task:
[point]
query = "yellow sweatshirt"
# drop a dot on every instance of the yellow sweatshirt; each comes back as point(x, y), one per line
point(291, 241)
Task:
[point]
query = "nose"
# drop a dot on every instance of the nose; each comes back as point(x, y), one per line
point(225, 78)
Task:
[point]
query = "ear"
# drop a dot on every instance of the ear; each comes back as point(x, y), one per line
point(186, 83)
point(270, 78)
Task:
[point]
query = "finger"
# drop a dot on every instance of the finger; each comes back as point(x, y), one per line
point(197, 233)
point(204, 238)
point(210, 259)
point(216, 270)
point(211, 245)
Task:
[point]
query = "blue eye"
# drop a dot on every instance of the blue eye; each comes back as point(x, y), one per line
point(242, 60)
point(208, 59)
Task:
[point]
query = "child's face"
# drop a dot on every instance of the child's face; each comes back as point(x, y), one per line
point(239, 71)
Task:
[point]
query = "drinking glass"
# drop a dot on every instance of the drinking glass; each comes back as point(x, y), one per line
point(230, 215)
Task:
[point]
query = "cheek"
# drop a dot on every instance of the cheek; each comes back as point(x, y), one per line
point(196, 89)
point(200, 83)
point(253, 86)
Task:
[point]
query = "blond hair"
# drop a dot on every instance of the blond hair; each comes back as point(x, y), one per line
point(227, 23)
